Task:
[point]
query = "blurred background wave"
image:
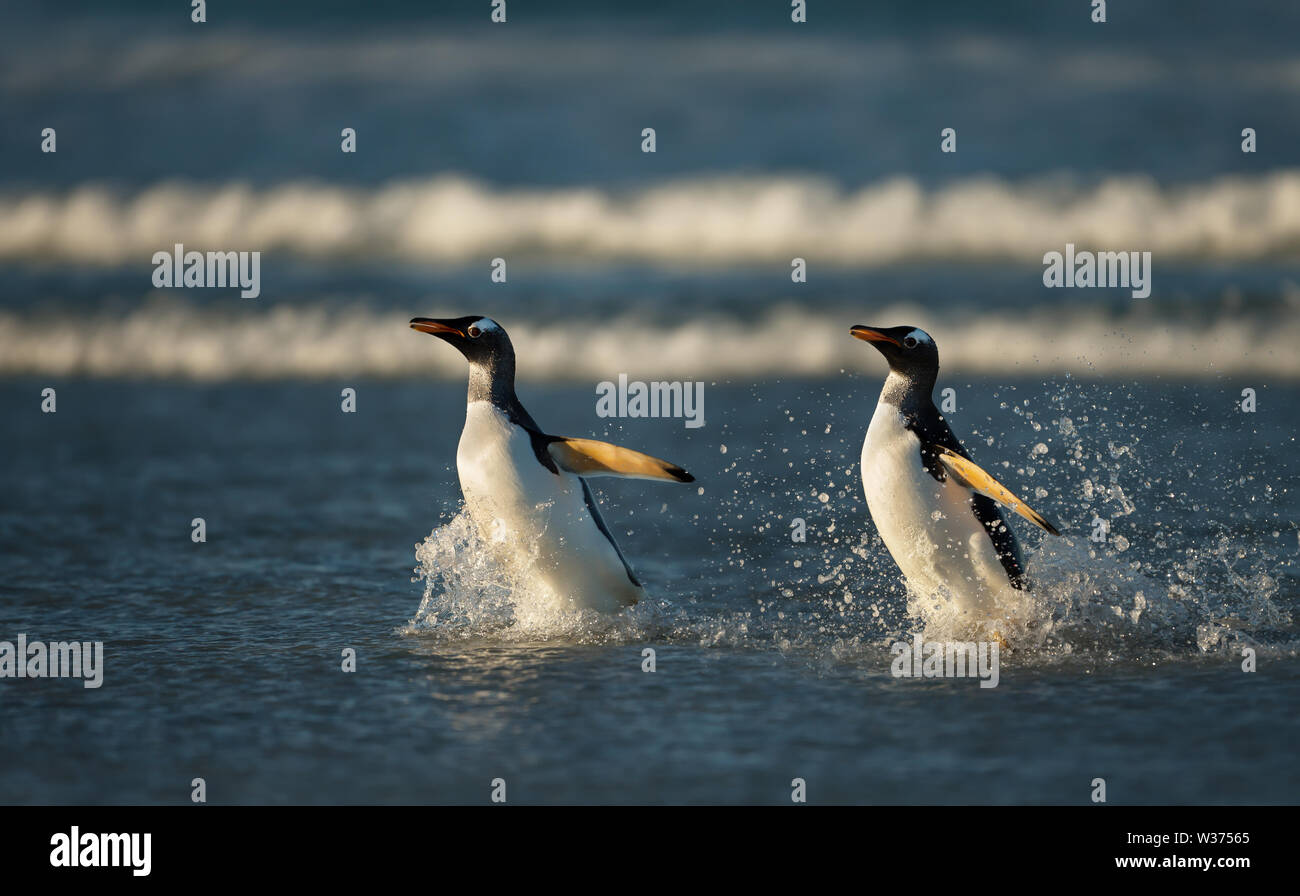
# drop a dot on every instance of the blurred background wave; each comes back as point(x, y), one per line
point(775, 141)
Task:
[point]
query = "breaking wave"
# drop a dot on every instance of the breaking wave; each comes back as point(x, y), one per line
point(176, 339)
point(706, 221)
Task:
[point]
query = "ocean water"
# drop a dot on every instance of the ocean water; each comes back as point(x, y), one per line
point(329, 530)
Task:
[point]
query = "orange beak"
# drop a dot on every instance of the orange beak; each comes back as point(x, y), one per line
point(427, 325)
point(866, 334)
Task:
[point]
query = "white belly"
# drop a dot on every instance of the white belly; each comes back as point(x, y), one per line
point(536, 517)
point(931, 531)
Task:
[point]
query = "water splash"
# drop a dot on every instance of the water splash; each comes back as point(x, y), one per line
point(1150, 569)
point(1196, 559)
point(479, 589)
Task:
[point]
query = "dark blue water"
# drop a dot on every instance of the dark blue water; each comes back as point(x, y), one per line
point(560, 93)
point(223, 658)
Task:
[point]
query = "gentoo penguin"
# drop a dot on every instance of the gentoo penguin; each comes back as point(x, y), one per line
point(934, 508)
point(526, 491)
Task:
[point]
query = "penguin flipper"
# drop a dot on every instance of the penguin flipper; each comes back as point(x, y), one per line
point(588, 457)
point(967, 473)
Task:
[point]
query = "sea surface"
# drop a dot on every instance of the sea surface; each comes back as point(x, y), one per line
point(223, 658)
point(1158, 433)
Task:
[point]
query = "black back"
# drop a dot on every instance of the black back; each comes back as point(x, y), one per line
point(934, 432)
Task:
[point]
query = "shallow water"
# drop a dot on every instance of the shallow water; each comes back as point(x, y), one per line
point(223, 658)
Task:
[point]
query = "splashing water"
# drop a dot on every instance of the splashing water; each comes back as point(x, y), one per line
point(477, 588)
point(1197, 585)
point(1168, 552)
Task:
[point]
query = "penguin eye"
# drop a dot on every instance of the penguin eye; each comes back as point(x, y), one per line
point(910, 342)
point(474, 332)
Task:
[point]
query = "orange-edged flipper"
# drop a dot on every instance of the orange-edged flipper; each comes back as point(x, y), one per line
point(588, 457)
point(968, 473)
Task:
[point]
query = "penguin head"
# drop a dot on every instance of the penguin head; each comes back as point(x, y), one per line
point(909, 350)
point(481, 340)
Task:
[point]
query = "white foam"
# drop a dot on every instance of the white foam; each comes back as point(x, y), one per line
point(713, 221)
point(473, 592)
point(173, 338)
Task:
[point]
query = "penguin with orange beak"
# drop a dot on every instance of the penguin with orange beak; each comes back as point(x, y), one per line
point(936, 510)
point(526, 491)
